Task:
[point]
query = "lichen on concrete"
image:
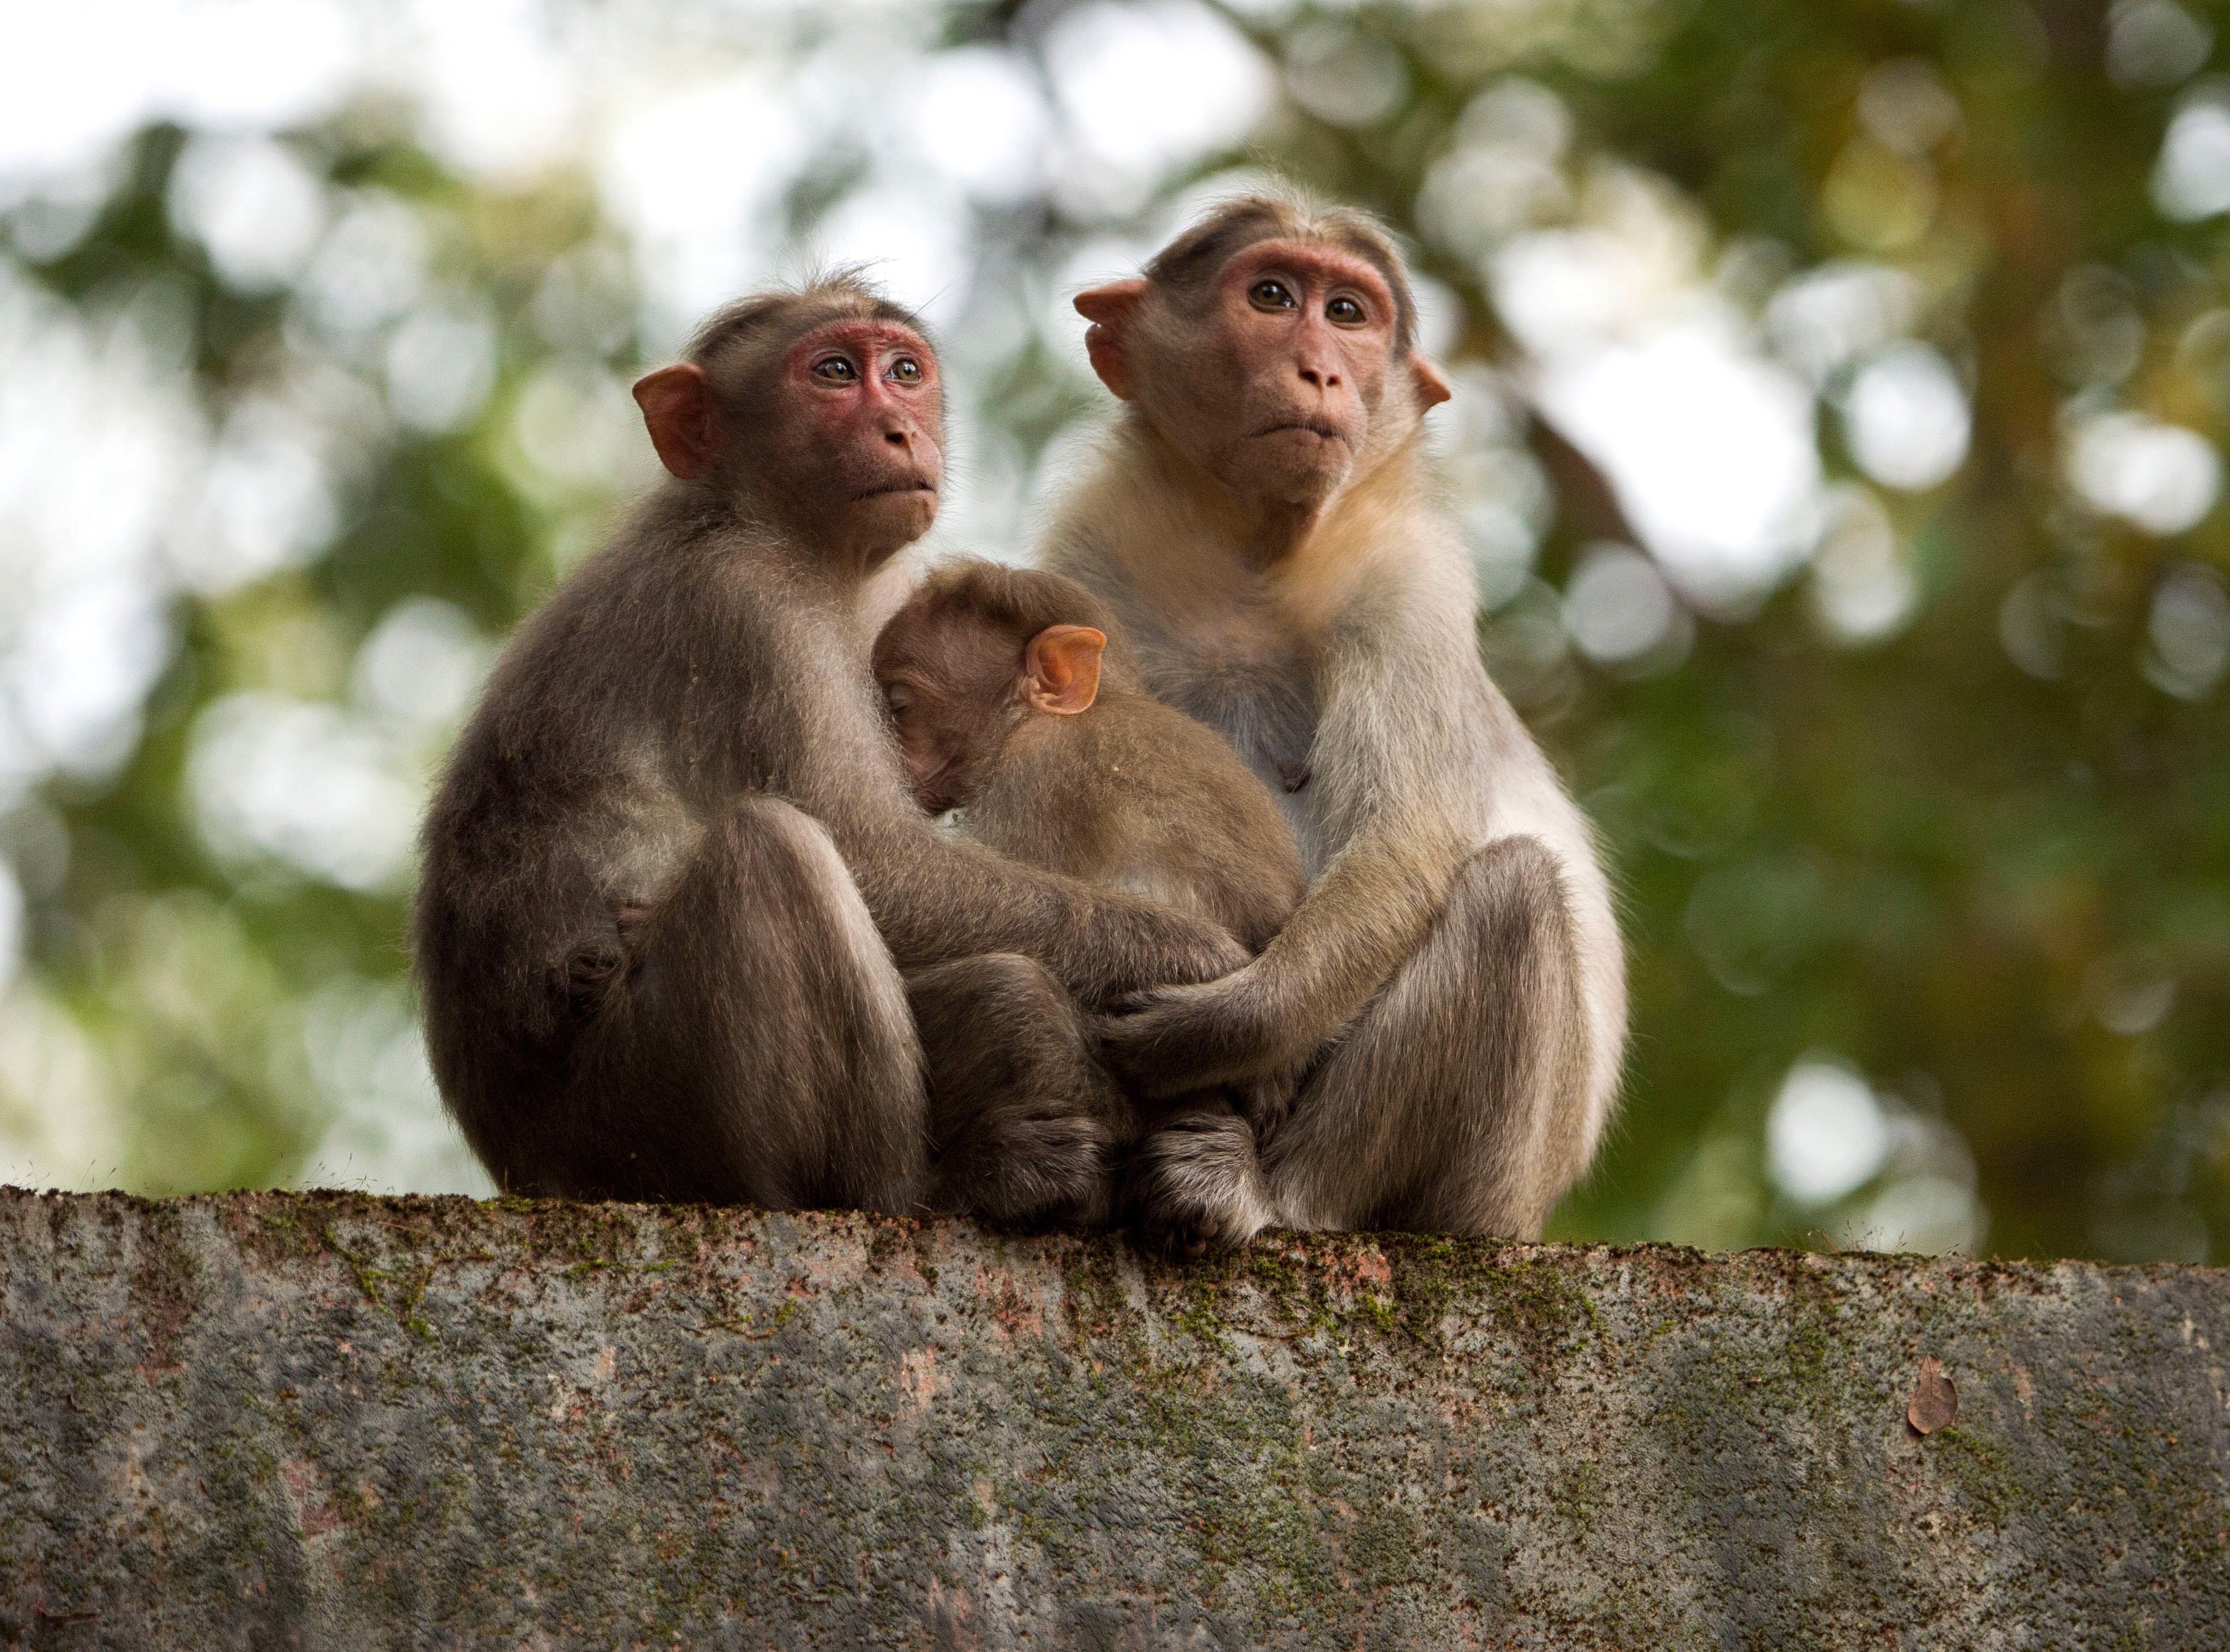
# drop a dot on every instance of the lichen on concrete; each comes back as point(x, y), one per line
point(330, 1421)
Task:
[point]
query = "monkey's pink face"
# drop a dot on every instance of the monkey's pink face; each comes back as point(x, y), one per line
point(1302, 336)
point(874, 420)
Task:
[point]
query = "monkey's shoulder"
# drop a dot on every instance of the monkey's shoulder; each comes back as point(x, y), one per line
point(1128, 759)
point(699, 576)
point(663, 674)
point(1167, 747)
point(1179, 778)
point(1199, 825)
point(664, 625)
point(1136, 796)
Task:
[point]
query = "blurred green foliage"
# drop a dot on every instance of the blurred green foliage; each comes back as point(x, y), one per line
point(1982, 857)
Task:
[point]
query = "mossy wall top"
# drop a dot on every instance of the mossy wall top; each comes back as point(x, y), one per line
point(329, 1421)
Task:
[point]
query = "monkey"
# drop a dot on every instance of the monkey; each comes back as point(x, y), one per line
point(1262, 522)
point(678, 914)
point(1012, 702)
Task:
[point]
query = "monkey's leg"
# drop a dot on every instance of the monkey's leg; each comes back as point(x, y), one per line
point(1022, 1115)
point(1451, 1103)
point(760, 1049)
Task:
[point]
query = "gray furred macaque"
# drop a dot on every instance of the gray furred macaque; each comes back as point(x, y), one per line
point(1013, 703)
point(1263, 524)
point(679, 911)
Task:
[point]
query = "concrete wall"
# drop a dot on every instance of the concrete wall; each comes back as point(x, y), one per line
point(332, 1420)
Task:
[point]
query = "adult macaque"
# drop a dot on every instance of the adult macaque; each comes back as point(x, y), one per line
point(673, 873)
point(1010, 705)
point(1262, 525)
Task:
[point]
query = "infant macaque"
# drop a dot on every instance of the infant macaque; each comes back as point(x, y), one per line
point(1010, 705)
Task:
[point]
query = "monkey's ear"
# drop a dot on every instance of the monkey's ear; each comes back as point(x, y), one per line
point(1432, 383)
point(1061, 668)
point(1109, 309)
point(676, 407)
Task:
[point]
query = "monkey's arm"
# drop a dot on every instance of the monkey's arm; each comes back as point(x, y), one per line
point(820, 740)
point(935, 898)
point(1404, 795)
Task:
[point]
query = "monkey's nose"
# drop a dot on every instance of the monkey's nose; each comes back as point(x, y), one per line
point(1318, 377)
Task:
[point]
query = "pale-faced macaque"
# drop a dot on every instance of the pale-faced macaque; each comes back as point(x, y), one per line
point(1264, 529)
point(1010, 706)
point(674, 872)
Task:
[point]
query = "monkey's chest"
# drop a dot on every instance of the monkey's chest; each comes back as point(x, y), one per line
point(1267, 708)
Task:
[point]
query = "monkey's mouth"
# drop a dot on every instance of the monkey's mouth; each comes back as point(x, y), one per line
point(1323, 428)
point(915, 485)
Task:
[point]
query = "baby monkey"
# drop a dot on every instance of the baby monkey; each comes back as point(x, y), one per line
point(1012, 704)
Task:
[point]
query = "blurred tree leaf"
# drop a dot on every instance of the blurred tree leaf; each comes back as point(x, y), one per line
point(1941, 804)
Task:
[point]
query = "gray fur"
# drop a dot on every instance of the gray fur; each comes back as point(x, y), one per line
point(673, 873)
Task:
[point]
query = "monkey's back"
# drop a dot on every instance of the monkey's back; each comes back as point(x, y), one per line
point(657, 685)
point(1136, 796)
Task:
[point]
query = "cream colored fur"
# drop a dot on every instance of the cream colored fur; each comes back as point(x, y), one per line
point(1356, 655)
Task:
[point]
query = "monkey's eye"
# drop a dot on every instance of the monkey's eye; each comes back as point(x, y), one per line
point(1267, 294)
point(1345, 311)
point(906, 371)
point(898, 698)
point(834, 370)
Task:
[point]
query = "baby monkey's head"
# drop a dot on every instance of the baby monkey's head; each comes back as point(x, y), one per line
point(978, 651)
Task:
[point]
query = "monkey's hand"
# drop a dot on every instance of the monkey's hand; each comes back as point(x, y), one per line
point(1195, 1186)
point(1172, 1039)
point(1265, 1099)
point(1168, 948)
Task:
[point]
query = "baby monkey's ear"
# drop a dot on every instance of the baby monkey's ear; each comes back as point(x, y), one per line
point(1060, 669)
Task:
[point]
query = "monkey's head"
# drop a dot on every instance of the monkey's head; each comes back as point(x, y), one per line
point(821, 407)
point(1274, 343)
point(976, 653)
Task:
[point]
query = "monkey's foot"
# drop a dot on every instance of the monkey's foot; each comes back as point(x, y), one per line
point(1029, 1165)
point(1196, 1187)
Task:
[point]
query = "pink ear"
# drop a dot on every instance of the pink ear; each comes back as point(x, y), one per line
point(1061, 668)
point(1109, 309)
point(677, 408)
point(1432, 384)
